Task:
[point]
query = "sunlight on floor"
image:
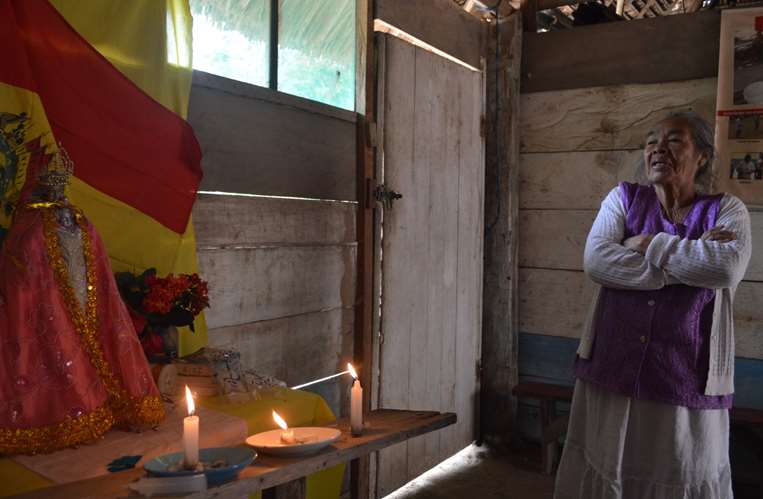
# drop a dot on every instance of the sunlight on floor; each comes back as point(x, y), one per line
point(474, 473)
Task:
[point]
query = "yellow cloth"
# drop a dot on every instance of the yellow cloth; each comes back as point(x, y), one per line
point(149, 41)
point(298, 407)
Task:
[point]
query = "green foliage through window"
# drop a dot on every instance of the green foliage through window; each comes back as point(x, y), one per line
point(316, 45)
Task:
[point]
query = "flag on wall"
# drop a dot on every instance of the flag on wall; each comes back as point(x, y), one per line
point(110, 79)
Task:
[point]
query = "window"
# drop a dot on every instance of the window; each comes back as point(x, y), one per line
point(315, 40)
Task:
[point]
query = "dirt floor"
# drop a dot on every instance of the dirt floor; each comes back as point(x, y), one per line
point(475, 473)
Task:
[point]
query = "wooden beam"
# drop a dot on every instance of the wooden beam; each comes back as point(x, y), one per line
point(440, 23)
point(529, 15)
point(365, 177)
point(500, 296)
point(654, 50)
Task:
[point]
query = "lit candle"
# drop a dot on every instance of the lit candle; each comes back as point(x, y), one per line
point(356, 403)
point(190, 433)
point(287, 435)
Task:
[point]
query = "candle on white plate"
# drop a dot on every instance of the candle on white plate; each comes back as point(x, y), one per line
point(356, 403)
point(190, 433)
point(287, 435)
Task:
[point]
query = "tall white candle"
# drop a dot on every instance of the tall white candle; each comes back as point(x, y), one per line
point(190, 433)
point(356, 403)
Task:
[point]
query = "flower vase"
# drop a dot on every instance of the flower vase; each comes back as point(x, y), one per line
point(169, 335)
point(160, 343)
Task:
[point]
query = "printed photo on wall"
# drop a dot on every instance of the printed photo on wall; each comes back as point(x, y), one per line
point(746, 166)
point(748, 65)
point(746, 127)
point(738, 168)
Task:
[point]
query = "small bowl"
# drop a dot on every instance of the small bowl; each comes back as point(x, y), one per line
point(237, 458)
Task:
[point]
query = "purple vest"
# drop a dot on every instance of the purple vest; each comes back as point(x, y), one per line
point(655, 345)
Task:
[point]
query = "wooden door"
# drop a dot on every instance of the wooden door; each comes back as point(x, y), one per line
point(431, 152)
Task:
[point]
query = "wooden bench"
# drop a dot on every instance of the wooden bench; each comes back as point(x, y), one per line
point(553, 426)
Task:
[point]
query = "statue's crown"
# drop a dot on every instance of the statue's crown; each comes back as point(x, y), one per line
point(58, 170)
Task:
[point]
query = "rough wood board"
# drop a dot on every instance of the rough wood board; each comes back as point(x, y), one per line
point(272, 149)
point(555, 239)
point(256, 284)
point(202, 79)
point(296, 349)
point(621, 53)
point(573, 180)
point(432, 153)
point(555, 303)
point(399, 107)
point(502, 197)
point(607, 118)
point(464, 393)
point(455, 32)
point(225, 220)
point(386, 428)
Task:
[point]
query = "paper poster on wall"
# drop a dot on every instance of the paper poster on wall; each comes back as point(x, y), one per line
point(739, 121)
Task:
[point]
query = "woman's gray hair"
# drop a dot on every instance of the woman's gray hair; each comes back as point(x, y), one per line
point(703, 136)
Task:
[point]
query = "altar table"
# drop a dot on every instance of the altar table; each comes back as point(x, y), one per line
point(385, 427)
point(222, 423)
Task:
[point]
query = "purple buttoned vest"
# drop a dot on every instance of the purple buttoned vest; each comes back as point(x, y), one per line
point(655, 345)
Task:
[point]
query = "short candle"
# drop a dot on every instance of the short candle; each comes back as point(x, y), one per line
point(287, 435)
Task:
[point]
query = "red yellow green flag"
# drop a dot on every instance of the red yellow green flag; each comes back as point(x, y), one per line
point(137, 160)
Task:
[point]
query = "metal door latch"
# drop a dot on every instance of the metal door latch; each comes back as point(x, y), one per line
point(386, 196)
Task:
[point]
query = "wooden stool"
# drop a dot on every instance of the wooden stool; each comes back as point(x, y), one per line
point(552, 426)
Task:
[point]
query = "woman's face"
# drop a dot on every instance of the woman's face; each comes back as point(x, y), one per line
point(670, 156)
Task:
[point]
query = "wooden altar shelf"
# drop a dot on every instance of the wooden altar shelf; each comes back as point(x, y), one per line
point(385, 427)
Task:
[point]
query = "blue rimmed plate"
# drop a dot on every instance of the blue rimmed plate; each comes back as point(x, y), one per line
point(235, 459)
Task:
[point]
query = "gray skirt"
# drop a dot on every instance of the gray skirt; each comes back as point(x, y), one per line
point(621, 448)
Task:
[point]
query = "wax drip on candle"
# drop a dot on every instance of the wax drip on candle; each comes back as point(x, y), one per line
point(287, 435)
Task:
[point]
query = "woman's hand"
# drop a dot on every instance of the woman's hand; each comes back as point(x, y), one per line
point(718, 233)
point(638, 243)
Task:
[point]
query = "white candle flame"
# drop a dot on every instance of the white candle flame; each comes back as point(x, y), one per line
point(352, 371)
point(280, 421)
point(189, 401)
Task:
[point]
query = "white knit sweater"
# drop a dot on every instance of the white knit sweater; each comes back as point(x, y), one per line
point(672, 260)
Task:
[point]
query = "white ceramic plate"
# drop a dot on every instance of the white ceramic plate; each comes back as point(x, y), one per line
point(309, 441)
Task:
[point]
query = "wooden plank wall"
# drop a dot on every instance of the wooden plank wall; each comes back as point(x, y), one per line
point(281, 274)
point(576, 145)
point(656, 50)
point(281, 271)
point(257, 141)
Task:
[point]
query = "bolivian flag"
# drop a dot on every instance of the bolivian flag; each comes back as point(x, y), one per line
point(110, 80)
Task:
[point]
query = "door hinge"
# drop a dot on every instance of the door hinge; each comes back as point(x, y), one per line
point(483, 126)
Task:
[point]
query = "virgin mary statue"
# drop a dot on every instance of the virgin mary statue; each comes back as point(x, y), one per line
point(71, 365)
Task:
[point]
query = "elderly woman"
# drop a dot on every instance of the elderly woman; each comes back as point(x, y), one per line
point(655, 367)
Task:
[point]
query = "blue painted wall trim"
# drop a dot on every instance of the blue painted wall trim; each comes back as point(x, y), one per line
point(550, 359)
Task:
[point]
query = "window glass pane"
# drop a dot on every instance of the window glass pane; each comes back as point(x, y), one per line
point(316, 50)
point(231, 38)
